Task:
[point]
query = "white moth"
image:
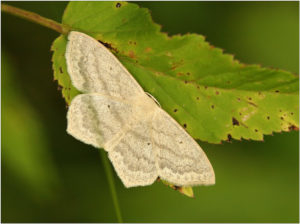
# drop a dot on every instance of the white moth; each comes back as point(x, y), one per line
point(143, 141)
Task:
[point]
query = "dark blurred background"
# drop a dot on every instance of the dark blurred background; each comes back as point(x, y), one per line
point(48, 176)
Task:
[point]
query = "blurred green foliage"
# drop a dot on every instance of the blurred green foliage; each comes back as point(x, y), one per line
point(255, 181)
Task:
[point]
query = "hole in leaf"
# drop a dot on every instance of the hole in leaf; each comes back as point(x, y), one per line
point(118, 5)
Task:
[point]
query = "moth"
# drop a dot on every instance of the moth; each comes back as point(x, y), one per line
point(114, 113)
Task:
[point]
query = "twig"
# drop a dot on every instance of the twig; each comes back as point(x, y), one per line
point(33, 17)
point(111, 182)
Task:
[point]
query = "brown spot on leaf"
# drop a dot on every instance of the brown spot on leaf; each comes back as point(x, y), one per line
point(148, 49)
point(187, 73)
point(249, 98)
point(268, 117)
point(217, 93)
point(179, 74)
point(251, 103)
point(239, 99)
point(60, 70)
point(185, 82)
point(118, 5)
point(293, 128)
point(131, 54)
point(212, 106)
point(277, 91)
point(176, 188)
point(198, 87)
point(256, 130)
point(184, 125)
point(108, 45)
point(197, 98)
point(205, 87)
point(292, 113)
point(229, 137)
point(235, 121)
point(175, 110)
point(281, 118)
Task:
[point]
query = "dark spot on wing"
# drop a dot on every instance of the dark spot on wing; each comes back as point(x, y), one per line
point(235, 121)
point(118, 5)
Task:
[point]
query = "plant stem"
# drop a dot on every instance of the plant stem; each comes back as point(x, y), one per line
point(33, 17)
point(111, 182)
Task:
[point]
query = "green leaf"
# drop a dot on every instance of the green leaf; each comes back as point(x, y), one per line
point(213, 96)
point(209, 93)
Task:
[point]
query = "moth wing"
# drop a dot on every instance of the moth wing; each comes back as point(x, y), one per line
point(133, 157)
point(98, 120)
point(180, 159)
point(94, 69)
